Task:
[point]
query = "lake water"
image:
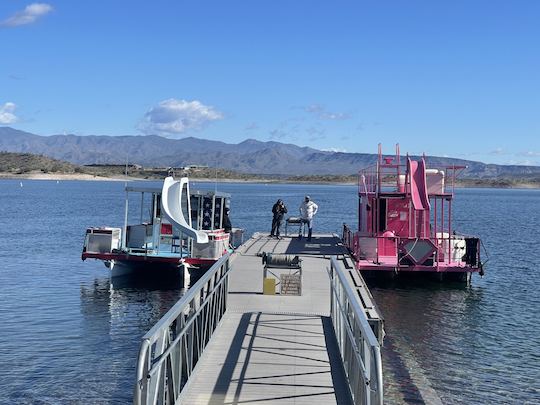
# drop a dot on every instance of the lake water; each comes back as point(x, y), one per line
point(67, 335)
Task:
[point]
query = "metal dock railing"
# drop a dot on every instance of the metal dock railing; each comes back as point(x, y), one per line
point(358, 345)
point(225, 341)
point(171, 350)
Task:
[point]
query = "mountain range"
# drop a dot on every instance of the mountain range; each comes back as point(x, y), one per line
point(249, 156)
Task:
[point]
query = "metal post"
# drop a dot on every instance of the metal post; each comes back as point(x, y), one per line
point(442, 223)
point(435, 218)
point(124, 233)
point(142, 204)
point(378, 173)
point(437, 239)
point(449, 225)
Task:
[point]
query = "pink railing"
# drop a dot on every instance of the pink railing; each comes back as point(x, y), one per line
point(367, 248)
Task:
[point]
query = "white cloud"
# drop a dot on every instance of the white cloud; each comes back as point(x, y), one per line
point(7, 114)
point(522, 162)
point(530, 153)
point(172, 117)
point(27, 16)
point(335, 150)
point(320, 112)
point(498, 151)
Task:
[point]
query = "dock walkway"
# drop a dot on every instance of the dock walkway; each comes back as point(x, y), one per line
point(272, 348)
point(225, 342)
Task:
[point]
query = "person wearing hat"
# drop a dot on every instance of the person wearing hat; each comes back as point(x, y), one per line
point(308, 209)
point(279, 209)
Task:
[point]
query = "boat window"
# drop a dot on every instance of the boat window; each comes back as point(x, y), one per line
point(184, 205)
point(158, 206)
point(382, 215)
point(195, 207)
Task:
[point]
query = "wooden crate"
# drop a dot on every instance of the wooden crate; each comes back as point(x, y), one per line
point(291, 284)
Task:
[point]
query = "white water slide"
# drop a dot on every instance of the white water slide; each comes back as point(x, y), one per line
point(171, 207)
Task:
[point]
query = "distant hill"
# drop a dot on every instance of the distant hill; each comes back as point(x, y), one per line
point(21, 163)
point(249, 156)
point(17, 165)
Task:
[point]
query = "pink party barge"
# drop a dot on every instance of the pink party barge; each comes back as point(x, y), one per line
point(405, 222)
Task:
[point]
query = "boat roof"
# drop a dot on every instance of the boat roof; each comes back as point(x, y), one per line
point(157, 190)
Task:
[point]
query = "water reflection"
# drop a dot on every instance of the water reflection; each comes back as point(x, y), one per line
point(141, 299)
point(162, 282)
point(115, 315)
point(425, 323)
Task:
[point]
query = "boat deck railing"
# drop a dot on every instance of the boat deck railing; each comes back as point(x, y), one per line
point(388, 174)
point(445, 252)
point(170, 351)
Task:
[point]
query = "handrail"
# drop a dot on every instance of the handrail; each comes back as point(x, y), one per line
point(171, 349)
point(443, 252)
point(358, 345)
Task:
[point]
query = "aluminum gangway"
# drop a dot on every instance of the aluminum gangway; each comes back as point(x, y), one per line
point(225, 342)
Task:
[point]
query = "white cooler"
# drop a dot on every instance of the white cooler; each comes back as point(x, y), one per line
point(218, 243)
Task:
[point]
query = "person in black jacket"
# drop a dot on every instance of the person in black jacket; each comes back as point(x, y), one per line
point(278, 210)
point(227, 227)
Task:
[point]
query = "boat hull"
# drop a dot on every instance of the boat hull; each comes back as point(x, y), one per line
point(126, 267)
point(130, 265)
point(446, 276)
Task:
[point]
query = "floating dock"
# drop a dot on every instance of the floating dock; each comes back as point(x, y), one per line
point(243, 334)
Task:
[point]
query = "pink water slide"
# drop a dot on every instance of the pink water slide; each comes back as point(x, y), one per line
point(419, 195)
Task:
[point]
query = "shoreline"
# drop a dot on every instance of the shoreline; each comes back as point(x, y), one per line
point(92, 177)
point(59, 176)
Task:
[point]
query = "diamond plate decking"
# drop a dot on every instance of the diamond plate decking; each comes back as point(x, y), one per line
point(274, 349)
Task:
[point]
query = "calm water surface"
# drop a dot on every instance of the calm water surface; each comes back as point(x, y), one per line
point(67, 335)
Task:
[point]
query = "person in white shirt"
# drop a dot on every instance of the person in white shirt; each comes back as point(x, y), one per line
point(308, 209)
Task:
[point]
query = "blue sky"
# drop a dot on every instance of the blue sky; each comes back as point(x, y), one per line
point(459, 78)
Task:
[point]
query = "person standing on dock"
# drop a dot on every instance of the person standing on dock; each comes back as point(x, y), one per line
point(279, 209)
point(308, 209)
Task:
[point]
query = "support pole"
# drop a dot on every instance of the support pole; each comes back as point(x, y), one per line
point(124, 233)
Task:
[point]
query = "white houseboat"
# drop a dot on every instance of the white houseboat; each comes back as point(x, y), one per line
point(175, 230)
